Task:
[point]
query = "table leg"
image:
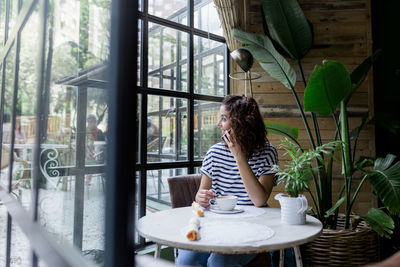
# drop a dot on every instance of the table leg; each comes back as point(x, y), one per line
point(281, 258)
point(158, 251)
point(297, 254)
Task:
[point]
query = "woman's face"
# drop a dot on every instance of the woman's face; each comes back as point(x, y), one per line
point(224, 122)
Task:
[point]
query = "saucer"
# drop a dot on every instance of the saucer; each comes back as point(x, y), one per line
point(235, 210)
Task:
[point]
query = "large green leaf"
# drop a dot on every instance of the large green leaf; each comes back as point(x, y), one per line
point(329, 84)
point(282, 129)
point(385, 178)
point(380, 222)
point(262, 49)
point(288, 26)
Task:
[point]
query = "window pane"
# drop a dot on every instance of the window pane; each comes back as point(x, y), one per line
point(139, 53)
point(175, 10)
point(7, 116)
point(25, 117)
point(138, 127)
point(12, 15)
point(206, 131)
point(94, 217)
point(167, 58)
point(96, 128)
point(2, 20)
point(167, 126)
point(71, 202)
point(206, 17)
point(20, 247)
point(157, 196)
point(209, 67)
point(137, 205)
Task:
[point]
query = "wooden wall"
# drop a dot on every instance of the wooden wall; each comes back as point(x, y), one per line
point(342, 31)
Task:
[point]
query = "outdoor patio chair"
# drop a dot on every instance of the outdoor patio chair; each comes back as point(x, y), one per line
point(183, 189)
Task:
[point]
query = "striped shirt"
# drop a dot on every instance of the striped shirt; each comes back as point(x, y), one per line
point(220, 165)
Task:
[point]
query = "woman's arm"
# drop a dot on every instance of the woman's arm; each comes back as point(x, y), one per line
point(257, 189)
point(205, 193)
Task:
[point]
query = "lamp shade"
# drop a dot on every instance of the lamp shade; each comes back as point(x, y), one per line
point(243, 58)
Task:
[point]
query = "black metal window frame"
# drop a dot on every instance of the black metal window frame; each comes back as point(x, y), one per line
point(142, 166)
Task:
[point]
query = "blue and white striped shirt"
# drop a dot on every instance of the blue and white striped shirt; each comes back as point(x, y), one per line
point(220, 165)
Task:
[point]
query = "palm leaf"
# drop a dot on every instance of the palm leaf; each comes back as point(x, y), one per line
point(359, 74)
point(337, 205)
point(356, 131)
point(380, 222)
point(385, 178)
point(329, 84)
point(262, 49)
point(288, 26)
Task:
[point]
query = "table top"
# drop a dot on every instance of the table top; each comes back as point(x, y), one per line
point(165, 227)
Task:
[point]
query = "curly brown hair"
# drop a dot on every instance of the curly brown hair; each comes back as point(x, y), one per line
point(247, 123)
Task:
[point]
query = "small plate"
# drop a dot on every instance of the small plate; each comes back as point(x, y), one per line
point(235, 210)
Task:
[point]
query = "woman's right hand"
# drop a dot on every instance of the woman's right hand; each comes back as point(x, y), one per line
point(204, 196)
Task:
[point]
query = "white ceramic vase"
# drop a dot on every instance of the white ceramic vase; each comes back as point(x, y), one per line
point(293, 209)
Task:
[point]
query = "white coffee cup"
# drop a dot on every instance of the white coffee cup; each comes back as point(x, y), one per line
point(224, 202)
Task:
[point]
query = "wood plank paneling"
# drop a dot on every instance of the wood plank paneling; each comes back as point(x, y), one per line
point(342, 31)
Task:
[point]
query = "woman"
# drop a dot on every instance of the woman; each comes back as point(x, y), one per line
point(244, 159)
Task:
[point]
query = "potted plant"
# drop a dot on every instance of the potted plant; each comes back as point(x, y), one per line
point(296, 176)
point(328, 89)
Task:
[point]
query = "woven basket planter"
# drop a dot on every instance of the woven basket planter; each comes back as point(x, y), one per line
point(342, 247)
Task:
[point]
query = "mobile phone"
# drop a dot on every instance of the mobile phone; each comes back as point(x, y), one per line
point(228, 131)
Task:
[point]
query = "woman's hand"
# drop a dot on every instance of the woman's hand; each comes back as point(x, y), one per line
point(235, 149)
point(204, 196)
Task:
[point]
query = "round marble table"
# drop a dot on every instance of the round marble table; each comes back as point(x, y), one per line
point(165, 228)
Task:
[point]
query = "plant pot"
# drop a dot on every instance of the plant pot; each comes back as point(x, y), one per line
point(293, 209)
point(339, 247)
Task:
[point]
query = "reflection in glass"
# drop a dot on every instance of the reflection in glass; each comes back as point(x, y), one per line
point(206, 131)
point(167, 126)
point(157, 196)
point(209, 67)
point(167, 57)
point(206, 17)
point(175, 10)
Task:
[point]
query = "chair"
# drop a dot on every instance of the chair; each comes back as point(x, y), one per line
point(183, 189)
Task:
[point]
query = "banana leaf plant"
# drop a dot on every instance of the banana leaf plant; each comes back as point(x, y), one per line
point(328, 89)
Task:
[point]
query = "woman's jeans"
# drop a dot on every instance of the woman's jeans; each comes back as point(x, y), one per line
point(187, 257)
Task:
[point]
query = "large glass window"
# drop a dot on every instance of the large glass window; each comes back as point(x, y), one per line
point(183, 80)
point(54, 115)
point(167, 58)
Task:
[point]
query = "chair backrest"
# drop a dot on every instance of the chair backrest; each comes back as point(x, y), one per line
point(183, 189)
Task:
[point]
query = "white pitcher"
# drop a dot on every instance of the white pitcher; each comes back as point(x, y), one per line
point(293, 209)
